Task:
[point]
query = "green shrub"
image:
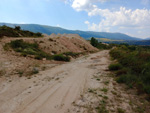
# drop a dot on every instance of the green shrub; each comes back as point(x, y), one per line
point(122, 71)
point(20, 44)
point(121, 79)
point(35, 70)
point(135, 62)
point(6, 47)
point(17, 32)
point(33, 49)
point(105, 90)
point(61, 57)
point(17, 28)
point(102, 108)
point(120, 110)
point(116, 53)
point(132, 48)
point(2, 72)
point(38, 57)
point(72, 54)
point(127, 79)
point(94, 42)
point(28, 49)
point(114, 67)
point(147, 89)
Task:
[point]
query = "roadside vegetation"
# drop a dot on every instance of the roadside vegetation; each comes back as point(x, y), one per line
point(94, 42)
point(17, 32)
point(132, 67)
point(74, 55)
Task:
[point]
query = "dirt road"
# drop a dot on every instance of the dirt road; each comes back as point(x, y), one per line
point(78, 86)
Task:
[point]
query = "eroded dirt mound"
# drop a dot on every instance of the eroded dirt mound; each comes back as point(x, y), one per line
point(72, 42)
point(55, 44)
point(12, 63)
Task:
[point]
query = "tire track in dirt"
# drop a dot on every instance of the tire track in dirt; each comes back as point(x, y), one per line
point(77, 86)
point(56, 96)
point(34, 100)
point(69, 91)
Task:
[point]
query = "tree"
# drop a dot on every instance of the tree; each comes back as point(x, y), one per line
point(17, 27)
point(39, 34)
point(94, 42)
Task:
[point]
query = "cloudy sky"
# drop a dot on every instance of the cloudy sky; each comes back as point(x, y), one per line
point(131, 17)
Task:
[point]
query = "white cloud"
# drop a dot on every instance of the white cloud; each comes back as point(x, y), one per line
point(98, 27)
point(80, 5)
point(121, 19)
point(85, 5)
point(138, 18)
point(87, 22)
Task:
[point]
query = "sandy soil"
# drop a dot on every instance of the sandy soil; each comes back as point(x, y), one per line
point(83, 85)
point(12, 62)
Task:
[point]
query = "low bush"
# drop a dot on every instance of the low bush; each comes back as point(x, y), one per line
point(116, 53)
point(2, 72)
point(135, 66)
point(122, 71)
point(61, 57)
point(35, 70)
point(128, 79)
point(104, 46)
point(28, 49)
point(114, 67)
point(38, 57)
point(120, 110)
point(33, 49)
point(94, 42)
point(102, 108)
point(72, 54)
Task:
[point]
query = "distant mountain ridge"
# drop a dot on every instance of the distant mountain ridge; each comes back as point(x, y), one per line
point(85, 34)
point(147, 38)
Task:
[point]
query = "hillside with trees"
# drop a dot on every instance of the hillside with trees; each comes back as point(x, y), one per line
point(17, 32)
point(45, 29)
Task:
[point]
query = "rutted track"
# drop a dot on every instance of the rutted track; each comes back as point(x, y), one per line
point(51, 91)
point(57, 89)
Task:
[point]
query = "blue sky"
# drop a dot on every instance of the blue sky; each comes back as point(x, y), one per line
point(131, 17)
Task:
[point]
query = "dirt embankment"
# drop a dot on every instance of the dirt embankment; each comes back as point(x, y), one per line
point(84, 85)
point(13, 63)
point(56, 44)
